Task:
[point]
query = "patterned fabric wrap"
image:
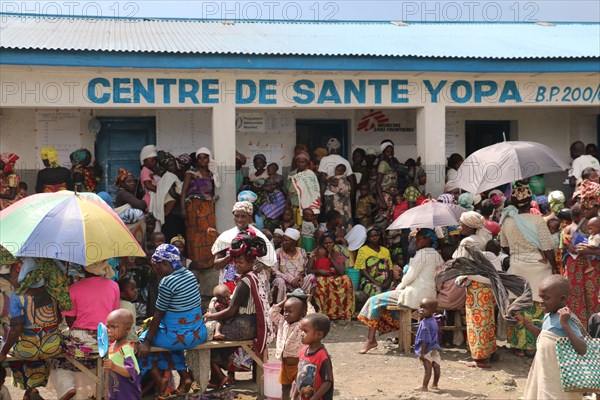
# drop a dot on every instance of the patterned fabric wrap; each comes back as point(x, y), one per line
point(518, 336)
point(244, 206)
point(579, 373)
point(131, 216)
point(56, 283)
point(200, 217)
point(481, 324)
point(9, 160)
point(247, 195)
point(168, 252)
point(122, 174)
point(584, 286)
point(378, 269)
point(274, 205)
point(589, 194)
point(177, 331)
point(374, 313)
point(335, 296)
point(36, 344)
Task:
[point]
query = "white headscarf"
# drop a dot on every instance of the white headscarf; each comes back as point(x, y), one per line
point(292, 233)
point(148, 151)
point(333, 144)
point(385, 145)
point(204, 150)
point(212, 165)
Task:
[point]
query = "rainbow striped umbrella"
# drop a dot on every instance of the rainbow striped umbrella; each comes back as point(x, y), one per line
point(67, 226)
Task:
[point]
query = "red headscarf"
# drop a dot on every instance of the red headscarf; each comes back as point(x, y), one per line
point(9, 160)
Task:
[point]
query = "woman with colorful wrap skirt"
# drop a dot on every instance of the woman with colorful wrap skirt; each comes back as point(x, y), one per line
point(177, 323)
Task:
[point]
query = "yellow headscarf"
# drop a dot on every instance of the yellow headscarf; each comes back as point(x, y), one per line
point(49, 153)
point(178, 238)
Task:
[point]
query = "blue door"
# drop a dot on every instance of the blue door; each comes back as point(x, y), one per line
point(118, 145)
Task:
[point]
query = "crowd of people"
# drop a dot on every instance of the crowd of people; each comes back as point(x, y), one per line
point(286, 267)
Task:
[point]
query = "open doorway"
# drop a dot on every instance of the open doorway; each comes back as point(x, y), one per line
point(118, 145)
point(316, 133)
point(480, 134)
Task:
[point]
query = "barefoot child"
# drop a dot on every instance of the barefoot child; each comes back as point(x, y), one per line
point(543, 381)
point(129, 293)
point(124, 376)
point(219, 302)
point(427, 345)
point(289, 343)
point(315, 371)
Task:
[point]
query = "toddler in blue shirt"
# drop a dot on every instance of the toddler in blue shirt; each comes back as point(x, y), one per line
point(427, 345)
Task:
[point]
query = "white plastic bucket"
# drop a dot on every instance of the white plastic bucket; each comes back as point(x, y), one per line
point(272, 385)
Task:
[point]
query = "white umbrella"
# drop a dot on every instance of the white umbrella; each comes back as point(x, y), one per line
point(505, 162)
point(430, 215)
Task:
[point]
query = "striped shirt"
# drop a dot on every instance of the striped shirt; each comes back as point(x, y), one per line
point(178, 292)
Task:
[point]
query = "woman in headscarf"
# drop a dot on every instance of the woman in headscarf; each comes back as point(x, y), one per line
point(417, 284)
point(526, 238)
point(375, 263)
point(93, 298)
point(334, 293)
point(198, 208)
point(387, 176)
point(84, 176)
point(53, 177)
point(474, 233)
point(179, 242)
point(260, 175)
point(583, 272)
point(34, 336)
point(247, 315)
point(177, 323)
point(242, 218)
point(556, 200)
point(303, 190)
point(292, 264)
point(9, 180)
point(148, 177)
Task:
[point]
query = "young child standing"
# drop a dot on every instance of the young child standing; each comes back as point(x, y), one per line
point(295, 306)
point(366, 206)
point(149, 180)
point(427, 345)
point(129, 293)
point(543, 381)
point(315, 370)
point(309, 228)
point(124, 376)
point(219, 302)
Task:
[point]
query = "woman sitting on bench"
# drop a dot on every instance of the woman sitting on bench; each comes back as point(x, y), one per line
point(177, 323)
point(247, 315)
point(416, 284)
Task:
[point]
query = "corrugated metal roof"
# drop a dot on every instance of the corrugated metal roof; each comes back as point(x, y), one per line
point(454, 40)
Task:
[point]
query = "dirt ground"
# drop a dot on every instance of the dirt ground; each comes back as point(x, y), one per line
point(384, 373)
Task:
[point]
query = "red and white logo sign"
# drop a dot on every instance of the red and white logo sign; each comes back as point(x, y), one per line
point(370, 121)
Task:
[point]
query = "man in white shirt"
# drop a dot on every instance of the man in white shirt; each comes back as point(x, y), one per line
point(580, 162)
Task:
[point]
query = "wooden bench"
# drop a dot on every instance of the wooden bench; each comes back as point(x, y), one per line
point(199, 355)
point(405, 331)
